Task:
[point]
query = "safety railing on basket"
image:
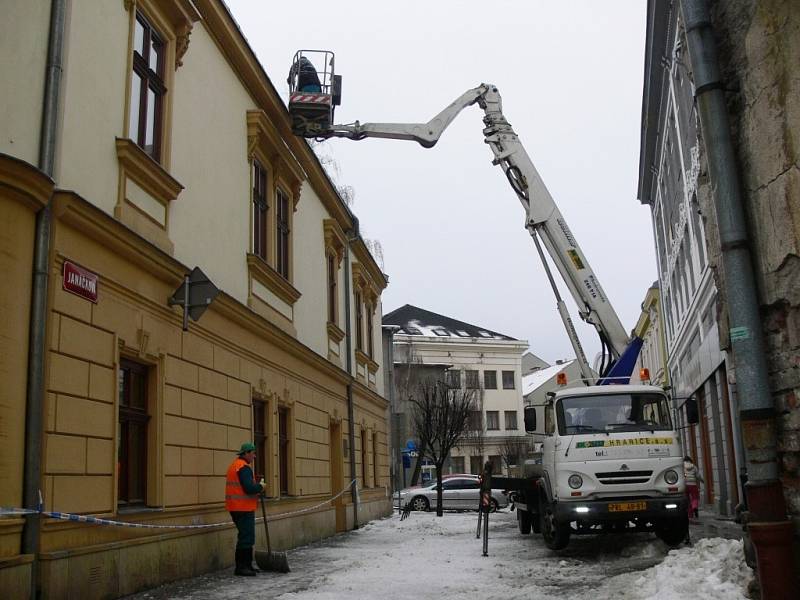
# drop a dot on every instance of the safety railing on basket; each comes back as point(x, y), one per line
point(17, 512)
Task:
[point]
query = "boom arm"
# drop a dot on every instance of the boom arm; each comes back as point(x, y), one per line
point(544, 221)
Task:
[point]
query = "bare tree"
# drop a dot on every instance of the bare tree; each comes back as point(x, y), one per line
point(474, 438)
point(441, 416)
point(515, 449)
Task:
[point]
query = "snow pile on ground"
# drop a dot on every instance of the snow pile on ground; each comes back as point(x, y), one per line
point(439, 558)
point(713, 569)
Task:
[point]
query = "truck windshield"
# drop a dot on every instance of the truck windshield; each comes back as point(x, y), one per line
point(613, 412)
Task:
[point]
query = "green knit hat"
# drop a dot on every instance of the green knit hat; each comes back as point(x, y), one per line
point(247, 447)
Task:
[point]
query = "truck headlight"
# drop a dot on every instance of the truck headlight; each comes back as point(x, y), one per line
point(575, 481)
point(671, 477)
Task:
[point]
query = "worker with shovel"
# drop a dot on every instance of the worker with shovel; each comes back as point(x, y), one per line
point(241, 500)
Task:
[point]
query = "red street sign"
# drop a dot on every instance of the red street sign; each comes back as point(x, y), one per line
point(79, 281)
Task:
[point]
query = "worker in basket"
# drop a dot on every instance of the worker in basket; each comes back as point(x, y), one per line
point(307, 78)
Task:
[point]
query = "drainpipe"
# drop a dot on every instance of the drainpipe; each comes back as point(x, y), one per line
point(768, 526)
point(352, 236)
point(394, 437)
point(32, 469)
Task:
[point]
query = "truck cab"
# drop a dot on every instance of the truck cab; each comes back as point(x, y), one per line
point(611, 461)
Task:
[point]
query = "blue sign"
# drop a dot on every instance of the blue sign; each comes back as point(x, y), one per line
point(411, 445)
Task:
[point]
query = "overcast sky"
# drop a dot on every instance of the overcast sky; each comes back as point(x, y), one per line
point(451, 229)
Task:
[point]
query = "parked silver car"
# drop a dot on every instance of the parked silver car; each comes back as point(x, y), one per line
point(459, 492)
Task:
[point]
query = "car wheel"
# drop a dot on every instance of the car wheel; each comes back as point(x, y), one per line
point(420, 503)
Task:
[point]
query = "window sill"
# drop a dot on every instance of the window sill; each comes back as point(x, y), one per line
point(134, 510)
point(363, 359)
point(146, 172)
point(335, 334)
point(269, 277)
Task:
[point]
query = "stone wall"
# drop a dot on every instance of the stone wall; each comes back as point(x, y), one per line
point(759, 43)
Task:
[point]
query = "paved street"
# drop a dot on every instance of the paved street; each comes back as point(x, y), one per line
point(429, 557)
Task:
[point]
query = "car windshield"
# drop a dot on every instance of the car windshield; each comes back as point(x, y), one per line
point(613, 412)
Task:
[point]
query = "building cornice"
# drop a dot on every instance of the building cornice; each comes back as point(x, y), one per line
point(229, 38)
point(24, 182)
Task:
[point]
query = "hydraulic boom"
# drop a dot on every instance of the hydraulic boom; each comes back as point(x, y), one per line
point(543, 221)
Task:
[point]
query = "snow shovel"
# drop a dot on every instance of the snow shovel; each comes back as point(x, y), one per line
point(269, 560)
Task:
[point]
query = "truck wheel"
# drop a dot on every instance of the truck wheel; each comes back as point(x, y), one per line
point(555, 534)
point(524, 521)
point(673, 531)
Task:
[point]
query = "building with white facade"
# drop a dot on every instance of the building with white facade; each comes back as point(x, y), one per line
point(428, 344)
point(673, 183)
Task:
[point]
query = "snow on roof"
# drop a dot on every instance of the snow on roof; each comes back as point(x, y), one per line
point(418, 321)
point(534, 380)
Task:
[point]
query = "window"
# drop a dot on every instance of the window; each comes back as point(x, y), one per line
point(456, 464)
point(492, 420)
point(259, 211)
point(132, 446)
point(283, 449)
point(375, 460)
point(490, 380)
point(511, 420)
point(282, 234)
point(474, 420)
point(508, 380)
point(359, 322)
point(260, 438)
point(332, 274)
point(472, 380)
point(454, 378)
point(475, 465)
point(370, 333)
point(441, 332)
point(497, 463)
point(363, 458)
point(147, 88)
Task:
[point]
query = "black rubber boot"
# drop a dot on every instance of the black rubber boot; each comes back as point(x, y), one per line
point(243, 562)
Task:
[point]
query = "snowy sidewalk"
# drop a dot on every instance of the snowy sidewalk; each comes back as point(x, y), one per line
point(440, 558)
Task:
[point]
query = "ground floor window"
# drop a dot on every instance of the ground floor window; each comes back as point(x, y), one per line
point(132, 441)
point(283, 449)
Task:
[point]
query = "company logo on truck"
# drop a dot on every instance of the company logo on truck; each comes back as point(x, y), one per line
point(643, 441)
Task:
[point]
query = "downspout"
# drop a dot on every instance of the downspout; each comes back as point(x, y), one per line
point(768, 526)
point(352, 235)
point(32, 469)
point(396, 464)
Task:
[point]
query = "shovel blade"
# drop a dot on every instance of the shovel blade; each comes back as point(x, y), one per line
point(272, 561)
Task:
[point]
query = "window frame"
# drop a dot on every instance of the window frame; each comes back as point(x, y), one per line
point(486, 378)
point(260, 201)
point(472, 379)
point(283, 233)
point(492, 418)
point(261, 436)
point(509, 384)
point(127, 414)
point(506, 415)
point(149, 80)
point(359, 321)
point(284, 450)
point(332, 271)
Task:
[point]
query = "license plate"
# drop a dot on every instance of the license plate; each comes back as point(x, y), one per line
point(627, 506)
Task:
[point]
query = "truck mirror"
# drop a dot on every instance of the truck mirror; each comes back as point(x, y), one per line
point(692, 416)
point(530, 419)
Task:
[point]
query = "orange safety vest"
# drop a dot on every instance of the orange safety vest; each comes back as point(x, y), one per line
point(235, 497)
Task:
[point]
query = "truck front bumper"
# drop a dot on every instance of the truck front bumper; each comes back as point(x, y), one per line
point(622, 509)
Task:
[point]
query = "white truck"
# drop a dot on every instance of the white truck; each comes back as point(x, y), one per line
point(611, 460)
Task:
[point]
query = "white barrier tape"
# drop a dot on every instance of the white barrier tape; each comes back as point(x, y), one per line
point(13, 511)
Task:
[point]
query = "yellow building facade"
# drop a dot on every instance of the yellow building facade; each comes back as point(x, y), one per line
point(173, 150)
